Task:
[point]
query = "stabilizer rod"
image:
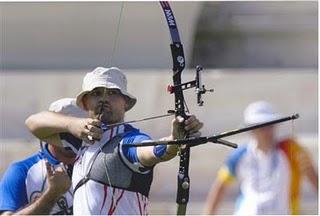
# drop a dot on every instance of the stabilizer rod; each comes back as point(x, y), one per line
point(194, 141)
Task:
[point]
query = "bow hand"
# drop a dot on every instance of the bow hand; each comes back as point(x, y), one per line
point(181, 127)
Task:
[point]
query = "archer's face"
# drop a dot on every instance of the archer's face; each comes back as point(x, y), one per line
point(265, 133)
point(107, 105)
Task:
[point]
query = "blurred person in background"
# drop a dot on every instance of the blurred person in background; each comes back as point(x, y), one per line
point(41, 183)
point(269, 171)
point(109, 178)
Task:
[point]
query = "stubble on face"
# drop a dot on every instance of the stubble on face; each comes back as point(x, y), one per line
point(109, 109)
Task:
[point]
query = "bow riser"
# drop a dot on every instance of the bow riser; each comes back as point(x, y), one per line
point(178, 66)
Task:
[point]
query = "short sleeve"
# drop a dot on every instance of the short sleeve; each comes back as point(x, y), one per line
point(228, 172)
point(225, 176)
point(13, 194)
point(129, 153)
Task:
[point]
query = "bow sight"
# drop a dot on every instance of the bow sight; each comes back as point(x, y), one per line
point(196, 83)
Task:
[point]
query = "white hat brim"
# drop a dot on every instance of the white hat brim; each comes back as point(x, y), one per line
point(130, 102)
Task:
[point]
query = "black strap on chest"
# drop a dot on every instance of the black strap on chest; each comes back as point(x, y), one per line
point(81, 182)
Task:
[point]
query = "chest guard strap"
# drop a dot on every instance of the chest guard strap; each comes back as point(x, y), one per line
point(108, 168)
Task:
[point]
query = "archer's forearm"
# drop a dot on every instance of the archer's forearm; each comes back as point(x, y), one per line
point(148, 157)
point(214, 198)
point(46, 124)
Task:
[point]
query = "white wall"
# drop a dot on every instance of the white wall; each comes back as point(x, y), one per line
point(57, 35)
point(290, 90)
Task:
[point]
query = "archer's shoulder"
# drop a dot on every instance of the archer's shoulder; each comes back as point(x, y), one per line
point(135, 133)
point(26, 163)
point(236, 155)
point(19, 169)
point(234, 158)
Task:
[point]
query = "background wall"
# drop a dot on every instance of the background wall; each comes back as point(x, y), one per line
point(257, 34)
point(60, 35)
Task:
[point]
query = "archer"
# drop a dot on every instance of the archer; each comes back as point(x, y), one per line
point(109, 178)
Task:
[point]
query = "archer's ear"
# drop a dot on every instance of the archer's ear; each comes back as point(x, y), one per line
point(126, 106)
point(127, 102)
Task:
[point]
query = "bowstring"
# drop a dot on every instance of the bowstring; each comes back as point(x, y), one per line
point(292, 128)
point(292, 137)
point(115, 45)
point(101, 145)
point(115, 42)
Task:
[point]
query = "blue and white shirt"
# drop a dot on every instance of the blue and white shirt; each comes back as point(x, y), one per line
point(94, 198)
point(269, 183)
point(25, 180)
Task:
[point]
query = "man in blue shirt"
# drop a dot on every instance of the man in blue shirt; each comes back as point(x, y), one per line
point(41, 184)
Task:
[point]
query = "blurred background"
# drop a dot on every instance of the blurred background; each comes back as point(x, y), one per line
point(249, 50)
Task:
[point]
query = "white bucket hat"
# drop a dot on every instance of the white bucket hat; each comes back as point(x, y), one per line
point(67, 106)
point(259, 112)
point(111, 78)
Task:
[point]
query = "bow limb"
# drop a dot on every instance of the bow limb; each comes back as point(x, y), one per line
point(178, 66)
